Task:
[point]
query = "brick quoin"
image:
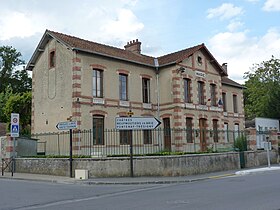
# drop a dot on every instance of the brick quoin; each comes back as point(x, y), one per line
point(76, 114)
point(76, 60)
point(178, 137)
point(76, 94)
point(76, 105)
point(76, 85)
point(77, 68)
point(9, 149)
point(176, 100)
point(76, 77)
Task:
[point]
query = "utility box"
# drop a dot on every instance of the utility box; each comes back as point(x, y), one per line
point(81, 174)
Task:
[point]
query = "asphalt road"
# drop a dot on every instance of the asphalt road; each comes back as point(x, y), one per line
point(257, 191)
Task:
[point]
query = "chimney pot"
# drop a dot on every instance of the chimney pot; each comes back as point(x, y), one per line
point(133, 46)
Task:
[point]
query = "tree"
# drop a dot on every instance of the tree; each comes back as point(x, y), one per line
point(20, 103)
point(9, 60)
point(4, 97)
point(262, 93)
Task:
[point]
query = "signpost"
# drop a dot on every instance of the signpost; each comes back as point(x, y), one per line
point(135, 123)
point(14, 133)
point(68, 125)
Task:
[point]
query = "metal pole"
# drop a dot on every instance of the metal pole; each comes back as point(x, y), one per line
point(71, 153)
point(131, 151)
point(14, 156)
point(268, 156)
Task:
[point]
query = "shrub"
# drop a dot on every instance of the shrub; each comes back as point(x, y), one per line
point(240, 143)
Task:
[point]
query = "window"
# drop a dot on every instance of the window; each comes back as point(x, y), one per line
point(235, 104)
point(98, 130)
point(146, 90)
point(213, 94)
point(236, 131)
point(52, 59)
point(199, 60)
point(147, 136)
point(125, 137)
point(201, 93)
point(187, 90)
point(189, 130)
point(97, 83)
point(226, 132)
point(123, 87)
point(215, 130)
point(224, 95)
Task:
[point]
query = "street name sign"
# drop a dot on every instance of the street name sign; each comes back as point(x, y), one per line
point(66, 125)
point(136, 123)
point(14, 125)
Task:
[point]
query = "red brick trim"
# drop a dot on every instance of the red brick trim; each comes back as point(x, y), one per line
point(76, 60)
point(165, 115)
point(122, 114)
point(146, 76)
point(189, 115)
point(123, 71)
point(76, 77)
point(76, 85)
point(76, 94)
point(147, 114)
point(77, 68)
point(76, 114)
point(98, 112)
point(98, 66)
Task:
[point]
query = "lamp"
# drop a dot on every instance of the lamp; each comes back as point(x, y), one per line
point(181, 69)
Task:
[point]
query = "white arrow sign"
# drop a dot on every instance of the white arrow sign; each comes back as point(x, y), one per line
point(66, 125)
point(136, 123)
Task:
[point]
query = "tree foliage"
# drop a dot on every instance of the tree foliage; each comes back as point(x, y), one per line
point(20, 103)
point(262, 93)
point(15, 88)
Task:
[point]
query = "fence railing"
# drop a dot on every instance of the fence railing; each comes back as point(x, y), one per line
point(115, 142)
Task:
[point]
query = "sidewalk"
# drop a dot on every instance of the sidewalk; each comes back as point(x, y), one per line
point(135, 180)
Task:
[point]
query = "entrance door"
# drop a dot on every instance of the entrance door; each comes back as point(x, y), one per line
point(167, 134)
point(202, 128)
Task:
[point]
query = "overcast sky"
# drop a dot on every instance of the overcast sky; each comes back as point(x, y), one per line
point(238, 32)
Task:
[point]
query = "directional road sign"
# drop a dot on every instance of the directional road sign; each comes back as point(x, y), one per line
point(14, 125)
point(66, 125)
point(136, 123)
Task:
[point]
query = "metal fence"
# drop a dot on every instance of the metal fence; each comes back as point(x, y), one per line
point(116, 143)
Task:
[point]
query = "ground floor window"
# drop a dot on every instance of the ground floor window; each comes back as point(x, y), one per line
point(125, 136)
point(189, 130)
point(98, 130)
point(147, 134)
point(215, 131)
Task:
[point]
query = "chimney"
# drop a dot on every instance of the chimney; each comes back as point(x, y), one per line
point(133, 46)
point(224, 66)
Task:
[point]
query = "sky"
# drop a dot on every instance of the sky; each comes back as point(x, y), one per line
point(238, 32)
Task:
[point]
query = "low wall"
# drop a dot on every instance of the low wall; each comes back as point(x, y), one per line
point(143, 166)
point(259, 158)
point(146, 166)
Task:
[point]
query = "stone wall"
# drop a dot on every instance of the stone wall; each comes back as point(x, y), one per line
point(143, 166)
point(259, 158)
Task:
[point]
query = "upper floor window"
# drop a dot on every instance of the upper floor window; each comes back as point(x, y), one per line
point(224, 95)
point(201, 93)
point(235, 110)
point(98, 130)
point(146, 90)
point(213, 94)
point(187, 90)
point(97, 83)
point(52, 59)
point(123, 87)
